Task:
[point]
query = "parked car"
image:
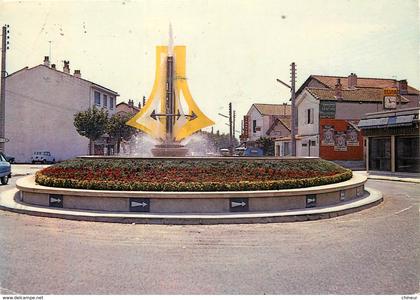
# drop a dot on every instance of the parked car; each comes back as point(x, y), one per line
point(248, 151)
point(43, 157)
point(5, 170)
point(224, 152)
point(10, 159)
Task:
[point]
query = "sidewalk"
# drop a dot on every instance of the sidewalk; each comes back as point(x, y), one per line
point(402, 177)
point(26, 169)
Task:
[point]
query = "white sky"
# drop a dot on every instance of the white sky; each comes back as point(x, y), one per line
point(235, 49)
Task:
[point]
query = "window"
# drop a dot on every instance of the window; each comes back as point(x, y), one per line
point(254, 126)
point(310, 116)
point(286, 149)
point(111, 102)
point(407, 154)
point(105, 100)
point(313, 143)
point(97, 97)
point(380, 153)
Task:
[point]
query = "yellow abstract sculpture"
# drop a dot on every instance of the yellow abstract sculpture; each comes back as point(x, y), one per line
point(170, 113)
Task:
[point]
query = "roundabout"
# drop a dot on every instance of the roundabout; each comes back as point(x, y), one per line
point(197, 207)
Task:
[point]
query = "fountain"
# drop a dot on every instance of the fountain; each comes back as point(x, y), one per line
point(170, 113)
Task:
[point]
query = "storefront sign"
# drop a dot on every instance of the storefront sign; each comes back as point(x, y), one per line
point(390, 92)
point(327, 135)
point(390, 102)
point(340, 141)
point(352, 136)
point(390, 98)
point(245, 134)
point(327, 109)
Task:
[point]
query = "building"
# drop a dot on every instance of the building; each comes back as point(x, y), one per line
point(40, 106)
point(266, 120)
point(392, 140)
point(128, 108)
point(329, 109)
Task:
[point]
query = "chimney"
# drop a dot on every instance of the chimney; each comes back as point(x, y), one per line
point(339, 90)
point(130, 103)
point(352, 81)
point(284, 108)
point(66, 67)
point(139, 105)
point(46, 61)
point(403, 87)
point(77, 73)
point(53, 66)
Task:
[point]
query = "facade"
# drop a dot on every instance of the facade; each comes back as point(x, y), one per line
point(392, 140)
point(40, 106)
point(266, 120)
point(328, 114)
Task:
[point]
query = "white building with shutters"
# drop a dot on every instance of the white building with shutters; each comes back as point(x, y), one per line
point(40, 106)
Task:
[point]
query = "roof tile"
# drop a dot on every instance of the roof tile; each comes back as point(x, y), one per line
point(273, 109)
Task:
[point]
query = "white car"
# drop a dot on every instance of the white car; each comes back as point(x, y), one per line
point(43, 157)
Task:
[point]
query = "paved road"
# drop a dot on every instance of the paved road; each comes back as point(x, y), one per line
point(375, 251)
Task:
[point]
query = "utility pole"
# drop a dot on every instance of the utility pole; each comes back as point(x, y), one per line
point(294, 113)
point(233, 124)
point(294, 116)
point(230, 129)
point(4, 47)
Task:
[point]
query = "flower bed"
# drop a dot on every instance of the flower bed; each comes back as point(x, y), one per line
point(191, 174)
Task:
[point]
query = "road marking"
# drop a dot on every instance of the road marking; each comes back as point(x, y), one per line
point(54, 200)
point(403, 210)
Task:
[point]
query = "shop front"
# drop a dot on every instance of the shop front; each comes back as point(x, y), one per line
point(393, 140)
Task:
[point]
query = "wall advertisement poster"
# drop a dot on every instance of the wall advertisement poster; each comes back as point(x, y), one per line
point(340, 141)
point(328, 133)
point(352, 136)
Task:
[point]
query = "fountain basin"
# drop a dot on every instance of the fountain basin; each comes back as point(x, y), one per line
point(169, 150)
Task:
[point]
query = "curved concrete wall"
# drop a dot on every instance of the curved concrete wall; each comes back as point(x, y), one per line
point(191, 202)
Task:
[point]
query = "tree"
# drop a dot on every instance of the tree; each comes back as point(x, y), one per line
point(118, 130)
point(220, 140)
point(91, 124)
point(267, 145)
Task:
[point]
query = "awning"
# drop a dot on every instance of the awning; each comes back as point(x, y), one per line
point(393, 121)
point(366, 123)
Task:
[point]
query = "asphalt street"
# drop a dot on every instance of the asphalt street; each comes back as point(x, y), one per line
point(375, 251)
